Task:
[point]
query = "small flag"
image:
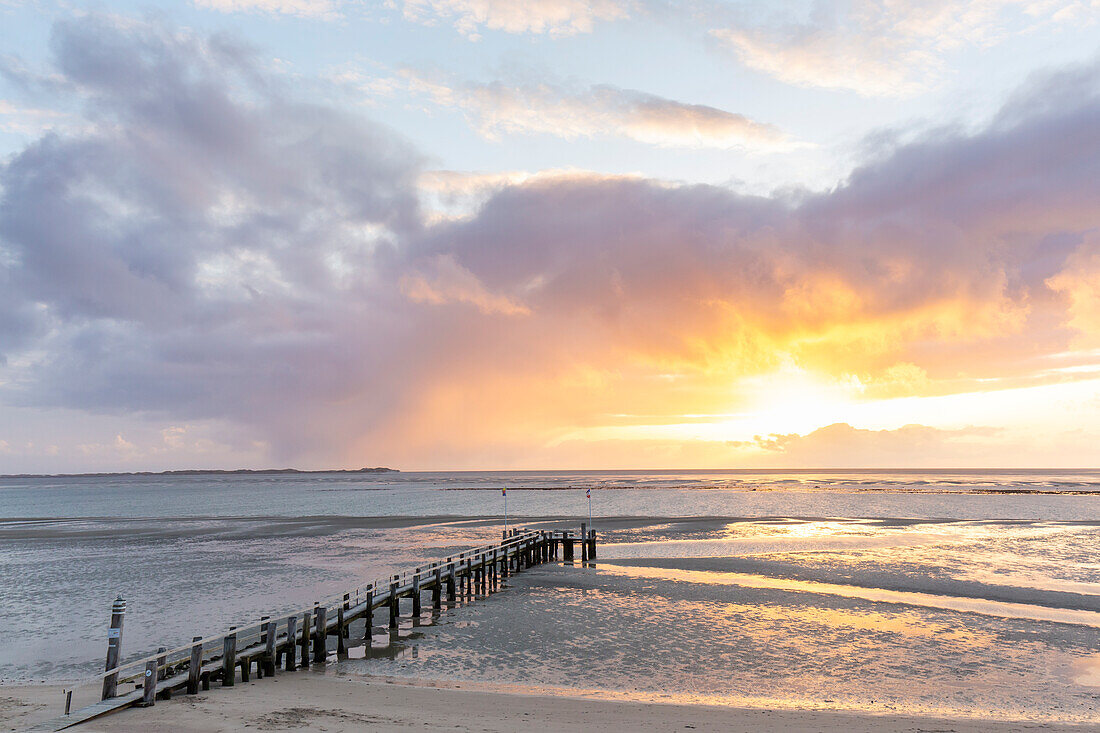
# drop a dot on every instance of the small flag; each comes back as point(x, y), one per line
point(588, 493)
point(504, 492)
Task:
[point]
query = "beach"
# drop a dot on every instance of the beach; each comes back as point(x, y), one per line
point(853, 601)
point(325, 702)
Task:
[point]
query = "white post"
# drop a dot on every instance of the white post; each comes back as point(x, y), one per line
point(504, 492)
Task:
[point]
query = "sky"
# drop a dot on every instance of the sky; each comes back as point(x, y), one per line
point(549, 234)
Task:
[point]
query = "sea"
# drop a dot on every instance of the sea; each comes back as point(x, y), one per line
point(942, 593)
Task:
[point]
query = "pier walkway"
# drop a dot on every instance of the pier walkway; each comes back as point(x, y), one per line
point(311, 635)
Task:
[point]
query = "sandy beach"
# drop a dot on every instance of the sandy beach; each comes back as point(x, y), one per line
point(338, 704)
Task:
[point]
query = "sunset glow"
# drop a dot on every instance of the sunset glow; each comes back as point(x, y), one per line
point(227, 243)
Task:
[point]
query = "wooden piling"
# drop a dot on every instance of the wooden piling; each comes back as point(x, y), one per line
point(341, 646)
point(270, 638)
point(149, 685)
point(291, 636)
point(393, 602)
point(591, 544)
point(307, 624)
point(368, 618)
point(194, 667)
point(114, 647)
point(229, 658)
point(437, 589)
point(320, 642)
point(566, 547)
point(450, 582)
point(162, 673)
point(416, 594)
point(584, 542)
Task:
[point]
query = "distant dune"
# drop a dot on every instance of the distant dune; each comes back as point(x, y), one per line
point(201, 471)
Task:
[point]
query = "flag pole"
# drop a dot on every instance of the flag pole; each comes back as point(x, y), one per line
point(504, 493)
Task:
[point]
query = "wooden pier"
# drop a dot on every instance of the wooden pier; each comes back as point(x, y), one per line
point(311, 635)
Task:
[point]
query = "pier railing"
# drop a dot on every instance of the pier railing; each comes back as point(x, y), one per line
point(302, 637)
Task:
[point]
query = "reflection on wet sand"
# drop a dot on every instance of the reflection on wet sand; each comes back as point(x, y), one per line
point(906, 627)
point(879, 595)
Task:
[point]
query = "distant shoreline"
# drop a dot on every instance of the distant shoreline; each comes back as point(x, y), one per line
point(202, 472)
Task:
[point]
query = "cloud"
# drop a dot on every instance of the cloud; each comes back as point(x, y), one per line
point(890, 49)
point(553, 17)
point(28, 121)
point(842, 446)
point(497, 109)
point(303, 8)
point(205, 248)
point(1079, 281)
point(446, 281)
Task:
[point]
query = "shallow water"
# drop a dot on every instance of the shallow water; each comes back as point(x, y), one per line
point(869, 590)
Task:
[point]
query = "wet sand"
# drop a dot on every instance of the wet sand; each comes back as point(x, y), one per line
point(315, 701)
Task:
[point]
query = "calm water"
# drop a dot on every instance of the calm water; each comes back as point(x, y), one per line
point(925, 592)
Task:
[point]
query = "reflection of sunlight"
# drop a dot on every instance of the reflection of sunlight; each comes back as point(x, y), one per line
point(765, 545)
point(981, 606)
point(1087, 671)
point(801, 528)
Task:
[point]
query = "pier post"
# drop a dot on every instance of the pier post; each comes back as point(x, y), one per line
point(341, 646)
point(149, 686)
point(229, 658)
point(437, 589)
point(291, 637)
point(416, 594)
point(469, 577)
point(246, 669)
point(347, 607)
point(368, 618)
point(270, 637)
point(591, 544)
point(162, 672)
point(320, 641)
point(450, 581)
point(307, 624)
point(114, 647)
point(584, 542)
point(566, 547)
point(393, 602)
point(194, 667)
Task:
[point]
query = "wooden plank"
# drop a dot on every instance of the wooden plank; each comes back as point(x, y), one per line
point(88, 713)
